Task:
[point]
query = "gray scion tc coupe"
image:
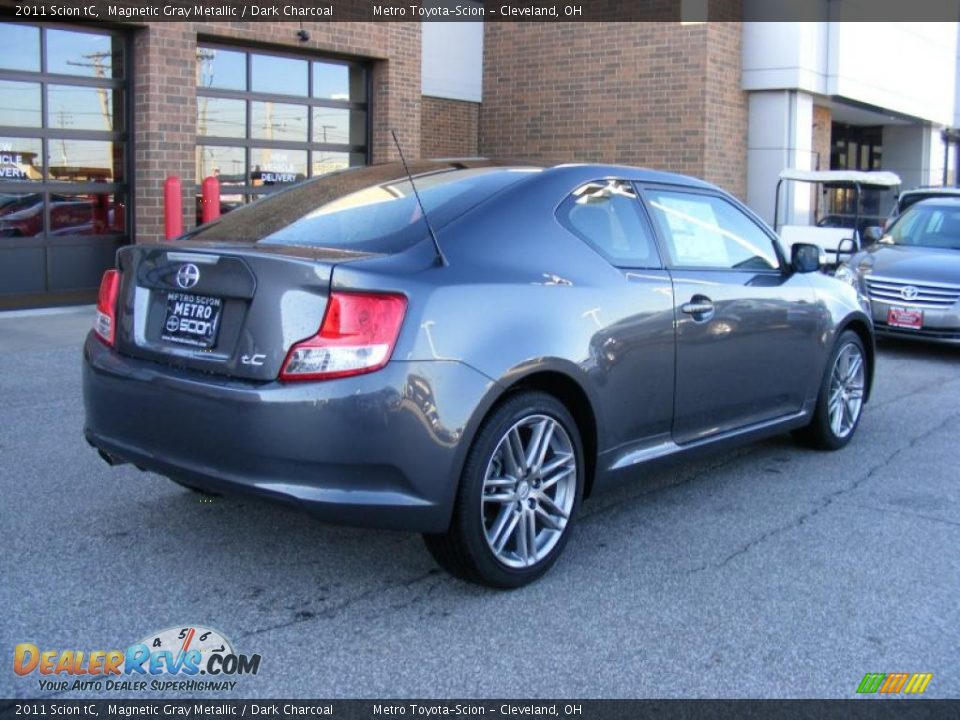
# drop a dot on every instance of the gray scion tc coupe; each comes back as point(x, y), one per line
point(567, 327)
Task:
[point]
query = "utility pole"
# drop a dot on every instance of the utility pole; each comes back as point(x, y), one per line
point(96, 61)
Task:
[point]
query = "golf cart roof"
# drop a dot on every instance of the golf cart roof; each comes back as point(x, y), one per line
point(875, 178)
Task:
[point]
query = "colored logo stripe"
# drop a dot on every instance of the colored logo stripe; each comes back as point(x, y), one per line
point(893, 683)
point(918, 683)
point(871, 682)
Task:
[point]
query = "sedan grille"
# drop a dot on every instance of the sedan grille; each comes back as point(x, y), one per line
point(921, 295)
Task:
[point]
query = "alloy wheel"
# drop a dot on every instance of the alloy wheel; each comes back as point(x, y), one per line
point(529, 489)
point(846, 390)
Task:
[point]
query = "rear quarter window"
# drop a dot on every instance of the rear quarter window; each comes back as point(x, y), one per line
point(607, 215)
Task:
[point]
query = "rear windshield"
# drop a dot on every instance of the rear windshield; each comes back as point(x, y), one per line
point(386, 218)
point(380, 217)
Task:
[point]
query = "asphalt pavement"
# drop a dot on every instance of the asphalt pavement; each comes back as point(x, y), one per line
point(771, 571)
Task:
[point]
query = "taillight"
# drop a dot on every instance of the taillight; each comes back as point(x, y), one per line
point(106, 323)
point(357, 336)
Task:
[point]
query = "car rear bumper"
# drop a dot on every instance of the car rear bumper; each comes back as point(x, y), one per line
point(378, 450)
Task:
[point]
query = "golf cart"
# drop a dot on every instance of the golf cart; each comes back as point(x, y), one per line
point(849, 202)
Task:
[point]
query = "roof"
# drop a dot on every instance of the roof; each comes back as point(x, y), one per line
point(629, 172)
point(951, 200)
point(933, 191)
point(297, 200)
point(877, 178)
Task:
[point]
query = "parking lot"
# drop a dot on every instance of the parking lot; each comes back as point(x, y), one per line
point(772, 571)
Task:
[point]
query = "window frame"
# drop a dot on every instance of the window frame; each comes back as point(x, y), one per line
point(561, 214)
point(643, 191)
point(249, 96)
point(124, 187)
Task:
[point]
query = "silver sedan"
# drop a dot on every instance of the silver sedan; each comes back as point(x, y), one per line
point(911, 275)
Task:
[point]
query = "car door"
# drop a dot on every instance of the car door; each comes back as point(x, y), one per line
point(746, 325)
point(631, 350)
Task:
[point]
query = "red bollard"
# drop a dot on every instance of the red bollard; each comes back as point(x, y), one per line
point(210, 200)
point(172, 207)
point(101, 213)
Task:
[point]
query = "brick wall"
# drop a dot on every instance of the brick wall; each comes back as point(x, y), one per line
point(165, 95)
point(165, 123)
point(725, 110)
point(448, 128)
point(661, 95)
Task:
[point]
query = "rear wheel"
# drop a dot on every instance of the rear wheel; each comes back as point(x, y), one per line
point(518, 495)
point(840, 402)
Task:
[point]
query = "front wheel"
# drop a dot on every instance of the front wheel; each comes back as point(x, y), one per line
point(518, 495)
point(842, 392)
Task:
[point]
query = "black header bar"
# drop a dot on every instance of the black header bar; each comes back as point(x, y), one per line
point(689, 11)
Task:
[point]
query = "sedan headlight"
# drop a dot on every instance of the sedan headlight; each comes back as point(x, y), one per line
point(847, 275)
point(852, 278)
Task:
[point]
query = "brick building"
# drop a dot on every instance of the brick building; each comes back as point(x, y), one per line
point(94, 118)
point(664, 95)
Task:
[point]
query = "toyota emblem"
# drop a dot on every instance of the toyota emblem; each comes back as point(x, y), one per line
point(188, 275)
point(909, 292)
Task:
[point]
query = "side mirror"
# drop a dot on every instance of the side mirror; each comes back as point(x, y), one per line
point(805, 257)
point(847, 246)
point(872, 234)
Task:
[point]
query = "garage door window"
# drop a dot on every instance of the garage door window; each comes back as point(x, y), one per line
point(265, 120)
point(63, 158)
point(63, 131)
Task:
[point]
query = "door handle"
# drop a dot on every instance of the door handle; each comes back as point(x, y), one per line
point(700, 307)
point(697, 308)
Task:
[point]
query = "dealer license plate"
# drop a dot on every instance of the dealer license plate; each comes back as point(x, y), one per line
point(905, 318)
point(192, 319)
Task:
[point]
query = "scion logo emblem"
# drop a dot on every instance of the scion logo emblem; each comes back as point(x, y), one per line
point(188, 275)
point(909, 292)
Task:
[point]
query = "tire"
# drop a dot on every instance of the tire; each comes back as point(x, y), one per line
point(502, 503)
point(835, 423)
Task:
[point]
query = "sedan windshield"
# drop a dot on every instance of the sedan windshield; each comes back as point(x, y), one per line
point(935, 226)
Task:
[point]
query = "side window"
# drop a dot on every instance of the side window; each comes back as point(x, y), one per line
point(706, 231)
point(607, 215)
